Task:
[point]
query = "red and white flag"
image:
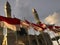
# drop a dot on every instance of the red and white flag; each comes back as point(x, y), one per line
point(25, 24)
point(37, 27)
point(11, 23)
point(54, 28)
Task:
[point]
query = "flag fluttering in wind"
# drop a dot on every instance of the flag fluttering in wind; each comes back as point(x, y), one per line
point(42, 25)
point(12, 27)
point(37, 27)
point(15, 24)
point(11, 23)
point(54, 28)
point(10, 20)
point(25, 23)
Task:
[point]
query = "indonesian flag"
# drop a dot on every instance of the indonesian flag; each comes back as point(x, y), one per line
point(42, 25)
point(10, 20)
point(25, 24)
point(14, 23)
point(57, 27)
point(11, 23)
point(54, 28)
point(50, 27)
point(37, 27)
point(10, 26)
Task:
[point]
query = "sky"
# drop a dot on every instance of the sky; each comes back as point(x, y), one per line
point(23, 8)
point(48, 10)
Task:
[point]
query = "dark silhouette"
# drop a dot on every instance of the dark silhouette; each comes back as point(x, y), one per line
point(22, 32)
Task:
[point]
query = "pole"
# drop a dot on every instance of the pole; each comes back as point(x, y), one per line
point(7, 14)
point(28, 37)
point(5, 36)
point(36, 38)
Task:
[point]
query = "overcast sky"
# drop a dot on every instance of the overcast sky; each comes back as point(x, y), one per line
point(23, 8)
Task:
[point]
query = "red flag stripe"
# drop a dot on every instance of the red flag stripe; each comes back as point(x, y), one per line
point(10, 20)
point(37, 27)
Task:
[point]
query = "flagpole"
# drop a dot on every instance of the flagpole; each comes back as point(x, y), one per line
point(5, 36)
point(8, 14)
point(16, 31)
point(27, 35)
point(36, 38)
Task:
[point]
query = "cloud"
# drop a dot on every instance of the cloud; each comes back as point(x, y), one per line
point(53, 18)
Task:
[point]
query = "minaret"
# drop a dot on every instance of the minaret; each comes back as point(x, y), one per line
point(8, 9)
point(36, 15)
point(37, 21)
point(7, 14)
point(42, 34)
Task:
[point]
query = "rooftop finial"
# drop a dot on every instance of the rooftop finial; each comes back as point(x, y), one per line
point(7, 5)
point(8, 9)
point(36, 15)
